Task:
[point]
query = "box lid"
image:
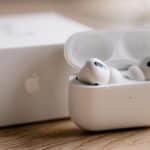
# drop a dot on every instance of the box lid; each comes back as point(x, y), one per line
point(34, 29)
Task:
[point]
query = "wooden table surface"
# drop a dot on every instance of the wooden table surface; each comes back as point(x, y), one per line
point(65, 135)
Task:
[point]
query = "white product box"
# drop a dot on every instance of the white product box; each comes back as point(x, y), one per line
point(33, 72)
point(109, 106)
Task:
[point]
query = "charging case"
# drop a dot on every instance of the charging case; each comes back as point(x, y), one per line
point(109, 106)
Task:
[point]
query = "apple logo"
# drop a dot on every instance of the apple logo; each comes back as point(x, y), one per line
point(32, 84)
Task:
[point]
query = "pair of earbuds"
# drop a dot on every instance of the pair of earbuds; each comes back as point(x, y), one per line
point(96, 72)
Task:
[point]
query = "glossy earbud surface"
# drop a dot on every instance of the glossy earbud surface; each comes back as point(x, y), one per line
point(94, 72)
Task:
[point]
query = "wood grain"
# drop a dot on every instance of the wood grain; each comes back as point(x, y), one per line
point(65, 135)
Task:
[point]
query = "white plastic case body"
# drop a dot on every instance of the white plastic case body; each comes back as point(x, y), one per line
point(33, 71)
point(109, 106)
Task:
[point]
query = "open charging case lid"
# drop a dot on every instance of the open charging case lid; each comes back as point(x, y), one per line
point(117, 48)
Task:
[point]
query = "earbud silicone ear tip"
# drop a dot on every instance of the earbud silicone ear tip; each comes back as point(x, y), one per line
point(135, 73)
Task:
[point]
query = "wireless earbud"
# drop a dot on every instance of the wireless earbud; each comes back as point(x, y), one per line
point(135, 73)
point(96, 72)
point(140, 72)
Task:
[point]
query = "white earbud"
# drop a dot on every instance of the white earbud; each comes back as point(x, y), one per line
point(135, 73)
point(96, 72)
point(140, 72)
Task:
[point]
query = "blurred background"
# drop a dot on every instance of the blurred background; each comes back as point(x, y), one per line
point(93, 13)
